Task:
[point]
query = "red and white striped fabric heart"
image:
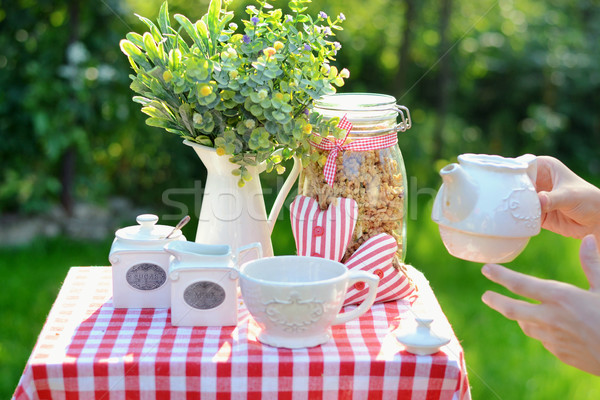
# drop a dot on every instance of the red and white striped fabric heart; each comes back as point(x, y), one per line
point(320, 233)
point(375, 256)
point(327, 234)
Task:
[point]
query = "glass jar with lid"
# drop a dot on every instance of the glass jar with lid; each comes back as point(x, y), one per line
point(369, 167)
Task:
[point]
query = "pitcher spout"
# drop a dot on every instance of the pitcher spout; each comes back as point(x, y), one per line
point(196, 252)
point(459, 193)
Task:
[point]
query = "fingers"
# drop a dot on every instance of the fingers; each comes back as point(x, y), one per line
point(555, 200)
point(516, 310)
point(521, 284)
point(547, 176)
point(590, 261)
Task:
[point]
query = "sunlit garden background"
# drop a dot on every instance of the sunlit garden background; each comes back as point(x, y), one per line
point(499, 77)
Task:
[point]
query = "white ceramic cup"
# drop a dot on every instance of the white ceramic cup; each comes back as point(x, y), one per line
point(296, 299)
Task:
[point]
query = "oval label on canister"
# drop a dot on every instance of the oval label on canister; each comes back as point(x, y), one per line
point(146, 276)
point(204, 295)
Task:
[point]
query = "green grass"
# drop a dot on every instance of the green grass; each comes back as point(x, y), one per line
point(502, 362)
point(31, 278)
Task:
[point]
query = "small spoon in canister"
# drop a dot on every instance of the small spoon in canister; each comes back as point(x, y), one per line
point(179, 225)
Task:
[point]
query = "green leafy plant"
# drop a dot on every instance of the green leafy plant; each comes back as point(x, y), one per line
point(246, 94)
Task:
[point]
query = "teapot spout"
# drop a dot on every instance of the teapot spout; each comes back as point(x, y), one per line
point(459, 194)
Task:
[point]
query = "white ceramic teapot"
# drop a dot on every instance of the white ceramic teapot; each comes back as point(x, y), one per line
point(487, 208)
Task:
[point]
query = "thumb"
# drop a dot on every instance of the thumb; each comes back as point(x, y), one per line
point(556, 199)
point(590, 261)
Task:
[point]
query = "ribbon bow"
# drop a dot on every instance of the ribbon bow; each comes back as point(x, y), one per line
point(334, 146)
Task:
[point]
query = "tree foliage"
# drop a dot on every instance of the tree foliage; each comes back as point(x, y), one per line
point(522, 77)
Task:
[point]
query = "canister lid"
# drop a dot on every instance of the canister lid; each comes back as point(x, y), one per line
point(147, 230)
point(368, 112)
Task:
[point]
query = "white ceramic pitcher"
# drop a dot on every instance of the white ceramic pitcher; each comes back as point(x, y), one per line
point(487, 208)
point(233, 215)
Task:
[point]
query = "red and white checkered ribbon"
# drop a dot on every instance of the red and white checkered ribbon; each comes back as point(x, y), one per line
point(334, 146)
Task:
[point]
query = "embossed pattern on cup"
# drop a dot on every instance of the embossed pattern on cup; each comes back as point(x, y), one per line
point(296, 299)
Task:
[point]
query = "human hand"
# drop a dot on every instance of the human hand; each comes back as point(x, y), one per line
point(570, 205)
point(567, 319)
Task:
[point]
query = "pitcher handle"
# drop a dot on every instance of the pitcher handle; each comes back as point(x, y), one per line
point(285, 189)
point(372, 282)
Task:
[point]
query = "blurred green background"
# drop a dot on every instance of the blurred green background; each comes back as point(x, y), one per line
point(498, 77)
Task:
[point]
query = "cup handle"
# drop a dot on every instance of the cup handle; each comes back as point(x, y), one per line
point(373, 282)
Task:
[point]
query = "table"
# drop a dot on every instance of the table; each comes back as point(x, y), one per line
point(88, 349)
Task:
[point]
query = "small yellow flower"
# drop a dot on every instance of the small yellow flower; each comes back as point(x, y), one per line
point(250, 123)
point(278, 96)
point(220, 151)
point(167, 76)
point(269, 52)
point(278, 45)
point(205, 90)
point(234, 74)
point(197, 118)
point(307, 129)
point(333, 71)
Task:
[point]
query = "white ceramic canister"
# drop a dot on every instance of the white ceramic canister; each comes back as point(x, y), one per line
point(140, 264)
point(204, 283)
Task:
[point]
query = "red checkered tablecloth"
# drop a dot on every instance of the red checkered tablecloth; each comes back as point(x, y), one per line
point(90, 350)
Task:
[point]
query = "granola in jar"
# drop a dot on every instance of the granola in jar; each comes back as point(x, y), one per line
point(374, 176)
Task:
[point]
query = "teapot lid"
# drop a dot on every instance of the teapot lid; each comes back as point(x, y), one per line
point(147, 230)
point(422, 341)
point(498, 162)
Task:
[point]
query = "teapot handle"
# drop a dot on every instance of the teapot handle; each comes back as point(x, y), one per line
point(531, 162)
point(285, 189)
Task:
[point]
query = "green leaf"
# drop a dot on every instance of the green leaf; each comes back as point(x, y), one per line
point(163, 18)
point(191, 31)
point(155, 112)
point(181, 44)
point(142, 100)
point(151, 49)
point(153, 29)
point(158, 122)
point(212, 22)
point(203, 140)
point(135, 38)
point(134, 53)
point(129, 49)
